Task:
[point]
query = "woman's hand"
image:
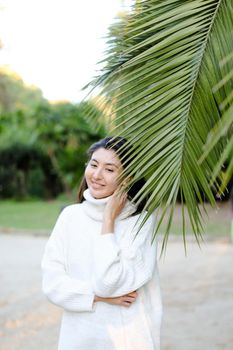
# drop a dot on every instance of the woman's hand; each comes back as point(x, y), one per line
point(115, 205)
point(112, 210)
point(124, 300)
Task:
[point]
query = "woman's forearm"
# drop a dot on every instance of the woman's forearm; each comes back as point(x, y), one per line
point(107, 300)
point(112, 210)
point(124, 300)
point(107, 226)
point(96, 298)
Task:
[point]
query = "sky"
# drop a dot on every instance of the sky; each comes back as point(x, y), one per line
point(56, 44)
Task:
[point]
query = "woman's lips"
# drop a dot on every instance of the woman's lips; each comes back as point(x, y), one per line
point(95, 184)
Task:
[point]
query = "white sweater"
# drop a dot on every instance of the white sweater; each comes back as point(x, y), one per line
point(79, 263)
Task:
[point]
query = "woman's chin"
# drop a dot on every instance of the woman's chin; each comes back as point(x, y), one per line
point(98, 194)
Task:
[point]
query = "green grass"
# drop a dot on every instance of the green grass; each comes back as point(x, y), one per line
point(29, 215)
point(40, 216)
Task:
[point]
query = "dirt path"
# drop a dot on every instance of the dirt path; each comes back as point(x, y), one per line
point(197, 296)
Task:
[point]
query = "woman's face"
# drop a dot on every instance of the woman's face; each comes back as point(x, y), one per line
point(102, 172)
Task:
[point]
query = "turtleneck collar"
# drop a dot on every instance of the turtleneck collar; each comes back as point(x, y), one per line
point(94, 207)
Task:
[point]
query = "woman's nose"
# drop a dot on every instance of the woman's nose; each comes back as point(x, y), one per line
point(97, 173)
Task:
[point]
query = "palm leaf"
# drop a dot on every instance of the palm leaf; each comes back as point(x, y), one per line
point(160, 70)
point(223, 129)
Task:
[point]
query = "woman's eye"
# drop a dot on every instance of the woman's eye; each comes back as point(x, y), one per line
point(110, 170)
point(93, 165)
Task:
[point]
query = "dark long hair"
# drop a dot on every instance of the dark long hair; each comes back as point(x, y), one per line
point(115, 144)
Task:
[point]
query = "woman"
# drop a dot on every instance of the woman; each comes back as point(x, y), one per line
point(97, 269)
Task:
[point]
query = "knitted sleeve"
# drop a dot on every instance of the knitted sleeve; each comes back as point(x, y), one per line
point(61, 289)
point(120, 269)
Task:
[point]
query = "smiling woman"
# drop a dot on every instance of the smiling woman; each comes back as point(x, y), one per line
point(102, 172)
point(105, 165)
point(99, 267)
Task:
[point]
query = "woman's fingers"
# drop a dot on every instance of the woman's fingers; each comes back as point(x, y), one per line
point(127, 304)
point(128, 299)
point(119, 194)
point(115, 205)
point(133, 293)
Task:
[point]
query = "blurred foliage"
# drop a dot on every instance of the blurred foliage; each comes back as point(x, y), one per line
point(16, 95)
point(25, 170)
point(65, 134)
point(42, 145)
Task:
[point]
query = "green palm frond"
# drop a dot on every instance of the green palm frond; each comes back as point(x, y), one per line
point(160, 70)
point(223, 129)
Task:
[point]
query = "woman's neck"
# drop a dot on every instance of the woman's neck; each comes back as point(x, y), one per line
point(94, 207)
